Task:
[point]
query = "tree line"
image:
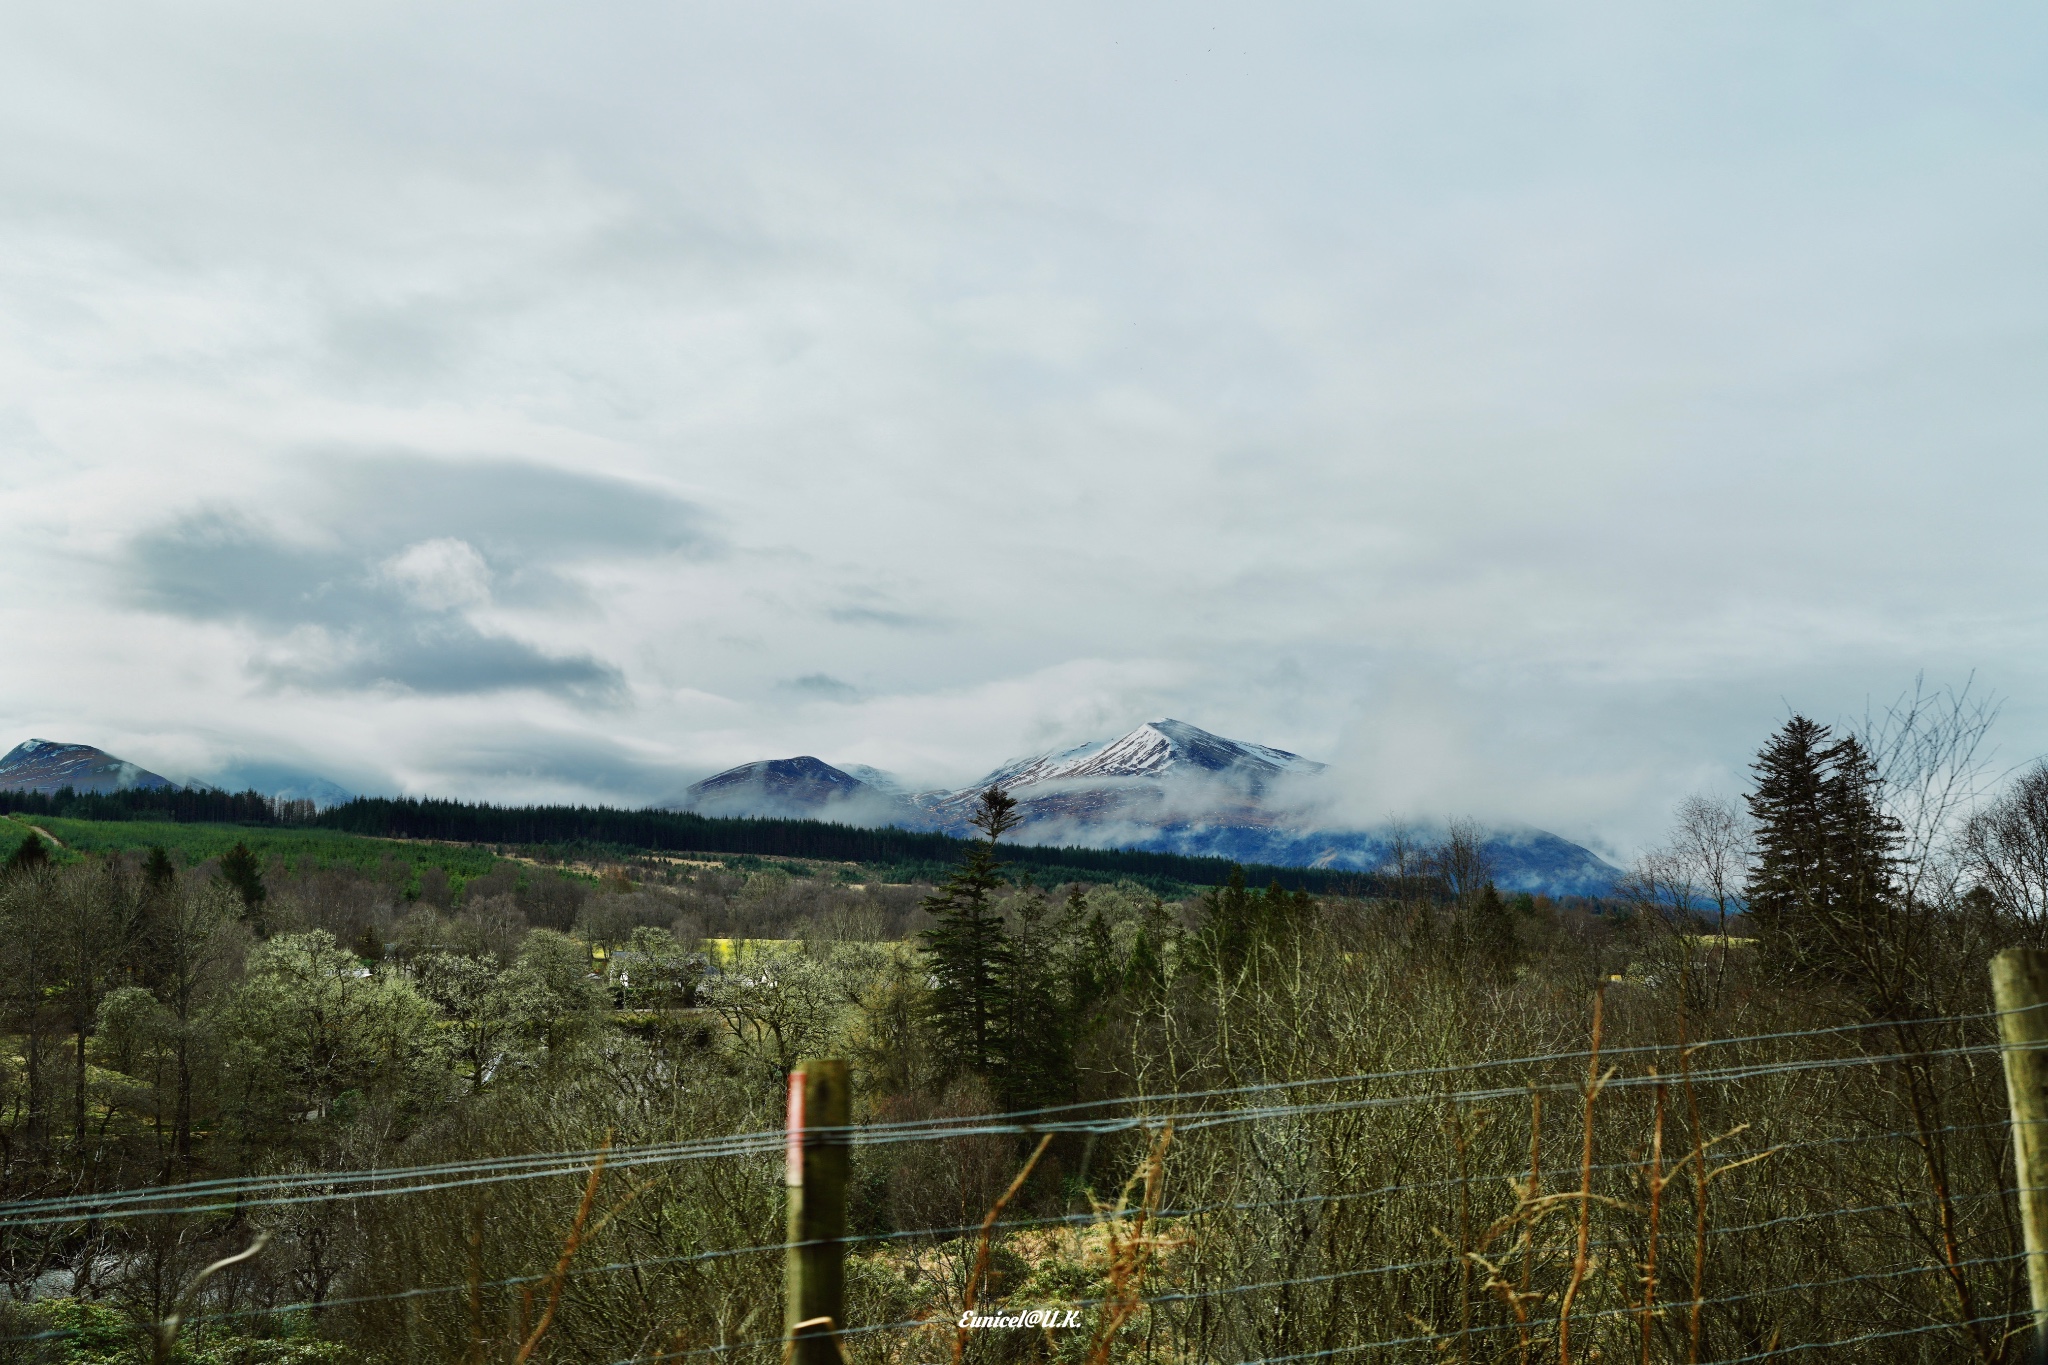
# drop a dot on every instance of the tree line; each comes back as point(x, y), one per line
point(619, 831)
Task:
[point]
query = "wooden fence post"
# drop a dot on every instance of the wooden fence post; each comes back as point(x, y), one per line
point(2019, 987)
point(814, 1290)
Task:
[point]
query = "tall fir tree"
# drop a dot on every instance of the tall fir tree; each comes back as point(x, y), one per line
point(1491, 940)
point(1035, 1048)
point(243, 870)
point(971, 952)
point(1789, 875)
point(1826, 853)
point(1231, 918)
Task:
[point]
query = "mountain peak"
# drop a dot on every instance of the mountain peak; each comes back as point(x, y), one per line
point(803, 787)
point(43, 765)
point(1167, 745)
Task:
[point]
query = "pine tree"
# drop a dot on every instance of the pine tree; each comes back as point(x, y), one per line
point(1826, 871)
point(1852, 938)
point(1788, 880)
point(158, 871)
point(243, 871)
point(970, 950)
point(29, 855)
point(1230, 926)
point(1495, 948)
point(1035, 1046)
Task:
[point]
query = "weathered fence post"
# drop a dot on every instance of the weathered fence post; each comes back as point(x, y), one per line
point(814, 1292)
point(2019, 986)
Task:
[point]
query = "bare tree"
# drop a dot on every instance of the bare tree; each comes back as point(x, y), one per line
point(1928, 749)
point(2005, 848)
point(1462, 862)
point(1711, 846)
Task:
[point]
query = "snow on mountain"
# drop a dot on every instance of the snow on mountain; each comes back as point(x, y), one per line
point(1172, 787)
point(1163, 747)
point(885, 782)
point(1122, 790)
point(802, 788)
point(43, 765)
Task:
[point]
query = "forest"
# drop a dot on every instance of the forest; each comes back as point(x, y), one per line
point(1748, 1108)
point(606, 831)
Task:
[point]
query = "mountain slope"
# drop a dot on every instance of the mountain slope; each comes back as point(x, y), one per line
point(802, 788)
point(1172, 787)
point(42, 765)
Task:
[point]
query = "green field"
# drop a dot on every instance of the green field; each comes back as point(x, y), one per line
point(298, 849)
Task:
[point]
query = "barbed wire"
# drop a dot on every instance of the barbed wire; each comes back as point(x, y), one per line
point(235, 1193)
point(1441, 1261)
point(580, 1272)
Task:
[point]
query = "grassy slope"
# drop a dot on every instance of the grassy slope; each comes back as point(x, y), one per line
point(192, 844)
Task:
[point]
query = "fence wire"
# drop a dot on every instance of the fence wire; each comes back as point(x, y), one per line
point(1185, 1113)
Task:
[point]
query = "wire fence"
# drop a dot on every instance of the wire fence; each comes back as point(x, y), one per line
point(1700, 1216)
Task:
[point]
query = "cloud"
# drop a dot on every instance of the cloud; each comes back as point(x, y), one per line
point(881, 616)
point(823, 685)
point(441, 574)
point(1517, 415)
point(408, 554)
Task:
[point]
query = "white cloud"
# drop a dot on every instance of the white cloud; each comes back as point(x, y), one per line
point(1519, 409)
point(443, 574)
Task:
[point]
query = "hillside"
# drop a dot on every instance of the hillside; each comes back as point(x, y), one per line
point(42, 765)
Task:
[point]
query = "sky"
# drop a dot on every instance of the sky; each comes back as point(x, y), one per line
point(1523, 408)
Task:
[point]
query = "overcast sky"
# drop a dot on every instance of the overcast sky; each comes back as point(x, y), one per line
point(1520, 407)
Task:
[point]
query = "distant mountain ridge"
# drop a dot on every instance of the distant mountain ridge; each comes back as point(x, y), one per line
point(46, 766)
point(1165, 787)
point(787, 788)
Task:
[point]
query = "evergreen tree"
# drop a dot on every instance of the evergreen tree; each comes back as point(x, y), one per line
point(1826, 866)
point(29, 855)
point(1789, 875)
point(1231, 921)
point(158, 872)
point(969, 948)
point(243, 871)
point(1863, 841)
point(1094, 975)
point(1491, 938)
point(1036, 1045)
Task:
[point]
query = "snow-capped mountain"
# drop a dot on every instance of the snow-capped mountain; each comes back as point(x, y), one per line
point(1158, 748)
point(802, 788)
point(1121, 791)
point(1167, 786)
point(44, 765)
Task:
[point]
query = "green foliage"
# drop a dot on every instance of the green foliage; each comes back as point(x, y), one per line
point(28, 855)
point(781, 1007)
point(616, 832)
point(1236, 923)
point(310, 1022)
point(970, 950)
point(243, 871)
point(189, 845)
point(71, 1332)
